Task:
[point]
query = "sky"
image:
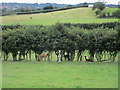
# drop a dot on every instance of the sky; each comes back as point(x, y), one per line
point(60, 1)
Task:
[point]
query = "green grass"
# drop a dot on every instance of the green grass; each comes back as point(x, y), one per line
point(111, 10)
point(0, 75)
point(79, 15)
point(51, 74)
point(60, 75)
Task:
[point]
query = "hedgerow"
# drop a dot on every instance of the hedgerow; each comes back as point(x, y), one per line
point(24, 40)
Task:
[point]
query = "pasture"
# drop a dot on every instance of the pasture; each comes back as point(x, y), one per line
point(52, 74)
point(78, 15)
point(60, 75)
point(111, 10)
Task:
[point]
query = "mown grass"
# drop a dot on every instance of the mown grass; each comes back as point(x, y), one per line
point(51, 74)
point(79, 15)
point(60, 75)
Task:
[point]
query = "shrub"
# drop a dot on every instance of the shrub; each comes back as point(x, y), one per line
point(108, 14)
point(97, 12)
point(48, 7)
point(102, 14)
point(116, 14)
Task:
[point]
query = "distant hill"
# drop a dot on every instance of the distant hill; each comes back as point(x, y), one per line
point(112, 5)
point(13, 6)
point(76, 15)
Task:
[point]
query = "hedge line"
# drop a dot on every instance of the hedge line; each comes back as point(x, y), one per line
point(94, 25)
point(84, 26)
point(97, 41)
point(46, 11)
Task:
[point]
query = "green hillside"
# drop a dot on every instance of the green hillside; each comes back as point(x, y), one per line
point(79, 15)
point(111, 10)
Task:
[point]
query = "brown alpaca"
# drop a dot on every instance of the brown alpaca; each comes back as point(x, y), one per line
point(41, 56)
point(88, 60)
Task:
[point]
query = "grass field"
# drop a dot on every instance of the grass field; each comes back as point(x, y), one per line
point(79, 15)
point(60, 75)
point(51, 74)
point(111, 10)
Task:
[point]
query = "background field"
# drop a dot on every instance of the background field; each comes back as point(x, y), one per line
point(111, 10)
point(60, 75)
point(79, 15)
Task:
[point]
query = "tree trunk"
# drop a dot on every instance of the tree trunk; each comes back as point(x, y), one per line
point(79, 56)
point(5, 56)
point(57, 53)
point(48, 56)
point(14, 55)
point(20, 54)
point(51, 56)
point(72, 55)
point(30, 55)
point(91, 54)
point(36, 57)
point(26, 54)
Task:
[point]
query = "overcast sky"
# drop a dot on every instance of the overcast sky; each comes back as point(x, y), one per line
point(60, 1)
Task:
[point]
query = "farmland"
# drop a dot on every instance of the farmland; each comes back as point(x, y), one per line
point(60, 75)
point(22, 47)
point(79, 15)
point(111, 10)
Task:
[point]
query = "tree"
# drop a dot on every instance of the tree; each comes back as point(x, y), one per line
point(116, 14)
point(48, 7)
point(80, 41)
point(69, 6)
point(97, 12)
point(85, 4)
point(103, 14)
point(99, 5)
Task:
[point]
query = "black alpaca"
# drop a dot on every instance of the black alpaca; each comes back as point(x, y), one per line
point(67, 57)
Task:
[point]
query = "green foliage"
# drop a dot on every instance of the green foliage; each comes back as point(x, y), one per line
point(94, 25)
point(103, 14)
point(48, 7)
point(69, 6)
point(108, 14)
point(60, 37)
point(116, 14)
point(99, 5)
point(97, 12)
point(85, 4)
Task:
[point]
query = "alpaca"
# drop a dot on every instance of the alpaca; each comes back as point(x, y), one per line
point(41, 56)
point(66, 57)
point(88, 60)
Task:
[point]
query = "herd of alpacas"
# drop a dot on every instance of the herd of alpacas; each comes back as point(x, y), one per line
point(44, 56)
